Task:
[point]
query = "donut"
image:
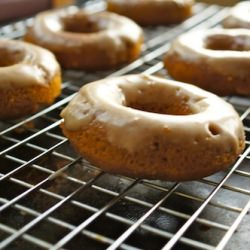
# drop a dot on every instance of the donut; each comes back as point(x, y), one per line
point(151, 12)
point(217, 60)
point(148, 127)
point(30, 77)
point(238, 17)
point(87, 41)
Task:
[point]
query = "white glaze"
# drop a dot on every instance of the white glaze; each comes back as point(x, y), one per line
point(104, 102)
point(239, 16)
point(36, 65)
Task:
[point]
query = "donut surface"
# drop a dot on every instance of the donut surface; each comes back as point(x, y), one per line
point(148, 127)
point(82, 40)
point(239, 16)
point(30, 78)
point(217, 60)
point(153, 12)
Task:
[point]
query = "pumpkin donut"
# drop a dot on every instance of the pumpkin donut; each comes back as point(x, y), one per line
point(217, 60)
point(153, 12)
point(148, 127)
point(86, 41)
point(30, 78)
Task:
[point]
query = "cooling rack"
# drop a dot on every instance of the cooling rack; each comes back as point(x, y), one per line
point(51, 198)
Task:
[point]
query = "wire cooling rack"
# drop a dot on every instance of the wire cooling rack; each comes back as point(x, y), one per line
point(51, 198)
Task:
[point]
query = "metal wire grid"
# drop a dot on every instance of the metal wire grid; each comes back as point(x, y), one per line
point(52, 198)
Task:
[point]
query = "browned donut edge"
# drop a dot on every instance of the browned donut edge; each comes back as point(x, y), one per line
point(18, 102)
point(201, 74)
point(157, 160)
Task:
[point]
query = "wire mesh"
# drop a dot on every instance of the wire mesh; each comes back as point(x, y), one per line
point(52, 198)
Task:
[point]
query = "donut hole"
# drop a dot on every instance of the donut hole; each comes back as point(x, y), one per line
point(80, 22)
point(214, 129)
point(159, 99)
point(10, 56)
point(227, 42)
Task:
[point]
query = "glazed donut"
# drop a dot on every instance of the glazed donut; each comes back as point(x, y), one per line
point(30, 78)
point(81, 40)
point(239, 16)
point(153, 12)
point(148, 127)
point(217, 60)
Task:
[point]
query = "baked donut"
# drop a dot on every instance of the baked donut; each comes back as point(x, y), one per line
point(82, 40)
point(239, 16)
point(30, 78)
point(148, 127)
point(152, 12)
point(217, 60)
